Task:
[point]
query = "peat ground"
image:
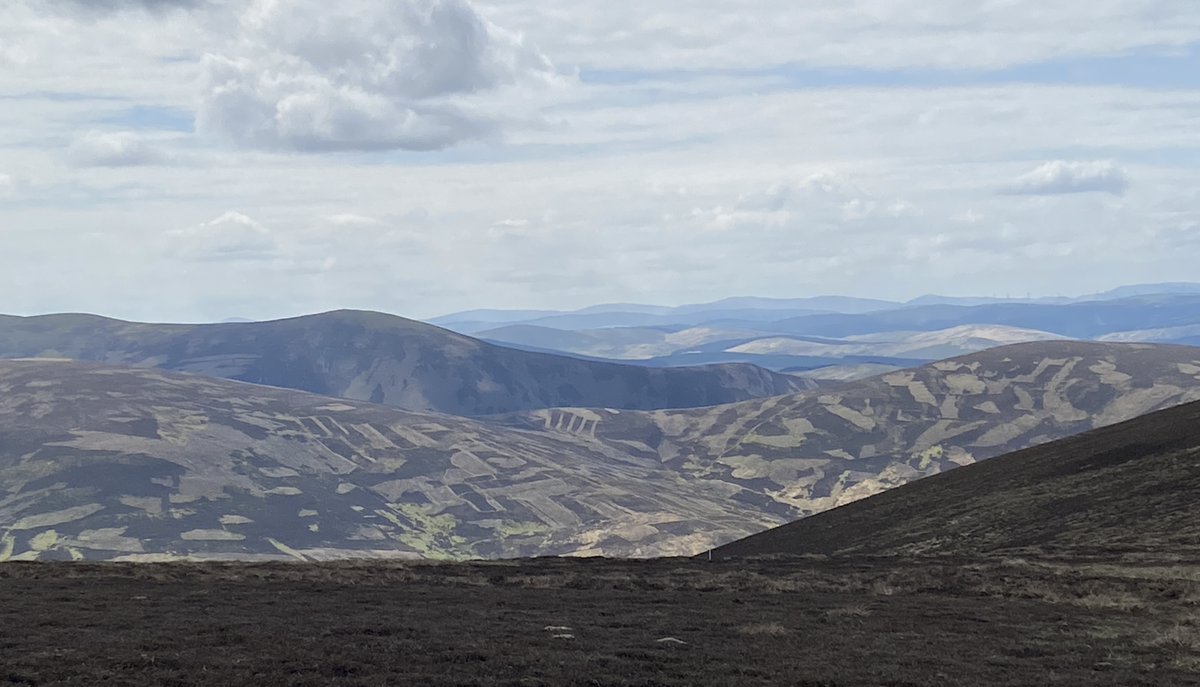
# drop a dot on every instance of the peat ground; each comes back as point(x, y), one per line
point(813, 621)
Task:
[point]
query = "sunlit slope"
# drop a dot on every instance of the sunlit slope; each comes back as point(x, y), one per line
point(105, 462)
point(805, 453)
point(1128, 488)
point(384, 359)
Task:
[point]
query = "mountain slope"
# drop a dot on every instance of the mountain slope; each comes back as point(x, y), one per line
point(105, 462)
point(804, 453)
point(384, 359)
point(1131, 487)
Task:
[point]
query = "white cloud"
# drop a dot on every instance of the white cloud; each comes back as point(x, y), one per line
point(659, 182)
point(1061, 177)
point(7, 185)
point(83, 50)
point(506, 229)
point(115, 149)
point(873, 34)
point(365, 75)
point(350, 219)
point(819, 200)
point(101, 6)
point(230, 237)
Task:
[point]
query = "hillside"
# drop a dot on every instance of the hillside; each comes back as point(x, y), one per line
point(809, 452)
point(107, 462)
point(1127, 488)
point(384, 359)
point(104, 461)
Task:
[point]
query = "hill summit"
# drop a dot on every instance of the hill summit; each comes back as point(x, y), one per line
point(370, 356)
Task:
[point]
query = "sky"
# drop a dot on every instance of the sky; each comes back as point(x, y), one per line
point(193, 160)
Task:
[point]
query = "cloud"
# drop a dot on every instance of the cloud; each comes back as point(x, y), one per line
point(115, 149)
point(7, 185)
point(873, 34)
point(98, 6)
point(1062, 177)
point(230, 237)
point(822, 199)
point(670, 183)
point(511, 228)
point(364, 75)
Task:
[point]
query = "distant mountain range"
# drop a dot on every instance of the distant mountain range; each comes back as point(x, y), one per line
point(751, 308)
point(634, 314)
point(803, 335)
point(385, 359)
point(99, 461)
point(1126, 490)
point(1079, 320)
point(706, 345)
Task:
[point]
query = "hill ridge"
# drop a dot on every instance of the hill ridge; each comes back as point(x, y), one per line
point(369, 356)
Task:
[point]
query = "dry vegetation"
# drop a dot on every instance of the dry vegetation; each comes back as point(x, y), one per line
point(815, 621)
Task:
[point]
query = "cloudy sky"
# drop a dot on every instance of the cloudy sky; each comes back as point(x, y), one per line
point(189, 160)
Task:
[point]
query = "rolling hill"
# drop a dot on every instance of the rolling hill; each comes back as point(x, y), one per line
point(1129, 488)
point(667, 346)
point(384, 359)
point(934, 345)
point(141, 464)
point(808, 452)
point(102, 461)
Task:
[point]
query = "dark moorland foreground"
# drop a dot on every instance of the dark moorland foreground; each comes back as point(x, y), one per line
point(813, 621)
